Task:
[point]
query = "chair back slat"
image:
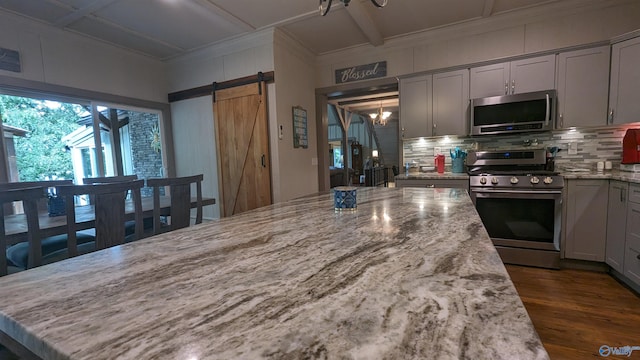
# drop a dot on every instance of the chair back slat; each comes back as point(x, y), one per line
point(29, 198)
point(180, 194)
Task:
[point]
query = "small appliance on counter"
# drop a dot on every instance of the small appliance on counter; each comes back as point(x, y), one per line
point(631, 147)
point(439, 162)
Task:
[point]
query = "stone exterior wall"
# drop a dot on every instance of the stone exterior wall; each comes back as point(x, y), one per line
point(147, 162)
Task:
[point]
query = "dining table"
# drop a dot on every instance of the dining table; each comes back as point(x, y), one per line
point(408, 273)
point(16, 224)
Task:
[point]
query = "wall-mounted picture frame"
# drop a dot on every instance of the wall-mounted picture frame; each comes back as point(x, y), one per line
point(300, 139)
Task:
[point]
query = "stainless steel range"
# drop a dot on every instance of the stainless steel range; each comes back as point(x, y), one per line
point(519, 199)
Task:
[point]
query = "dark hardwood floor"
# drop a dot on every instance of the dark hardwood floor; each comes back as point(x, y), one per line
point(576, 312)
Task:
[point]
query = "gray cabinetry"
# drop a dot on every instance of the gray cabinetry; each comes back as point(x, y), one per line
point(624, 106)
point(515, 77)
point(415, 107)
point(586, 219)
point(583, 87)
point(616, 224)
point(632, 249)
point(451, 103)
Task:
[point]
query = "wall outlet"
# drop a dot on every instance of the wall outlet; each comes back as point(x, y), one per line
point(573, 148)
point(437, 150)
point(314, 161)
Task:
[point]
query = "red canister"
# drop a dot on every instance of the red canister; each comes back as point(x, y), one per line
point(440, 163)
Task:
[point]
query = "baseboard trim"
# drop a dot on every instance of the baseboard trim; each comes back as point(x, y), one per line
point(625, 281)
point(584, 265)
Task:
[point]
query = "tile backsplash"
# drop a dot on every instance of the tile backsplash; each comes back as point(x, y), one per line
point(593, 144)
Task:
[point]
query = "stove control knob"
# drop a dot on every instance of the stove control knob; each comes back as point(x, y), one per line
point(535, 180)
point(548, 180)
point(483, 180)
point(514, 180)
point(494, 180)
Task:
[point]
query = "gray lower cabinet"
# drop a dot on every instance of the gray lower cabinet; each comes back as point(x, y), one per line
point(586, 219)
point(434, 183)
point(616, 224)
point(632, 249)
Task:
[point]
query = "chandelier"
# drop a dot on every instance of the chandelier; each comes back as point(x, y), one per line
point(380, 117)
point(325, 5)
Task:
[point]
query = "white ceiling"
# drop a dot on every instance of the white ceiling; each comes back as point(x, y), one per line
point(164, 29)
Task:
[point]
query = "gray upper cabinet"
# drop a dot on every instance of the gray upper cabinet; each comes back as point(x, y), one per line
point(415, 107)
point(616, 224)
point(583, 87)
point(489, 80)
point(624, 104)
point(451, 103)
point(515, 77)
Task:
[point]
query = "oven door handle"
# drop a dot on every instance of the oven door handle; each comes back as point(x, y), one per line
point(539, 192)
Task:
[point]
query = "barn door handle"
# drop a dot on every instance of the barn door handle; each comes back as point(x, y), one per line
point(264, 161)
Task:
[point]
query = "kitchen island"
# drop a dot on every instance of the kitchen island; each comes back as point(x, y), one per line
point(410, 274)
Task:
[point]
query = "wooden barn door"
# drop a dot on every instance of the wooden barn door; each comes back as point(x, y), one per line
point(242, 136)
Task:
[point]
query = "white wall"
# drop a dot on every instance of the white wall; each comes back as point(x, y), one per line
point(296, 168)
point(54, 56)
point(193, 121)
point(567, 23)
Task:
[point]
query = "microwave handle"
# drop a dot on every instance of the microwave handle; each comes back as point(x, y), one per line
point(547, 113)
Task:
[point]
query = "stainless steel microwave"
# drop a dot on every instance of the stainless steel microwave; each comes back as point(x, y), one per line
point(534, 111)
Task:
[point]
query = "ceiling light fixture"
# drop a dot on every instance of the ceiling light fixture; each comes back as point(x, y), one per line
point(380, 117)
point(325, 5)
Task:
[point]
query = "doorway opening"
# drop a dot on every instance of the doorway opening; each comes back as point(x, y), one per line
point(361, 146)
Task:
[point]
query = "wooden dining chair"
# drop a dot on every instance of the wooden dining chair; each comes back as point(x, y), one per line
point(109, 210)
point(18, 255)
point(180, 195)
point(49, 188)
point(29, 198)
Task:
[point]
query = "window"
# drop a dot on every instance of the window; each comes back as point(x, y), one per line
point(47, 137)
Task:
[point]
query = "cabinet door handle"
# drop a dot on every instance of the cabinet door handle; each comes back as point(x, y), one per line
point(506, 87)
point(611, 116)
point(431, 186)
point(561, 121)
point(264, 161)
point(513, 86)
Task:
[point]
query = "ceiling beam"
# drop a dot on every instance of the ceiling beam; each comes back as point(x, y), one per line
point(81, 12)
point(365, 23)
point(488, 8)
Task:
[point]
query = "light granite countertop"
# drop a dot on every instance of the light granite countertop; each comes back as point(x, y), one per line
point(433, 176)
point(590, 174)
point(411, 274)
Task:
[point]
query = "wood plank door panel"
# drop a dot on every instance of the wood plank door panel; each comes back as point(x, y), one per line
point(242, 135)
